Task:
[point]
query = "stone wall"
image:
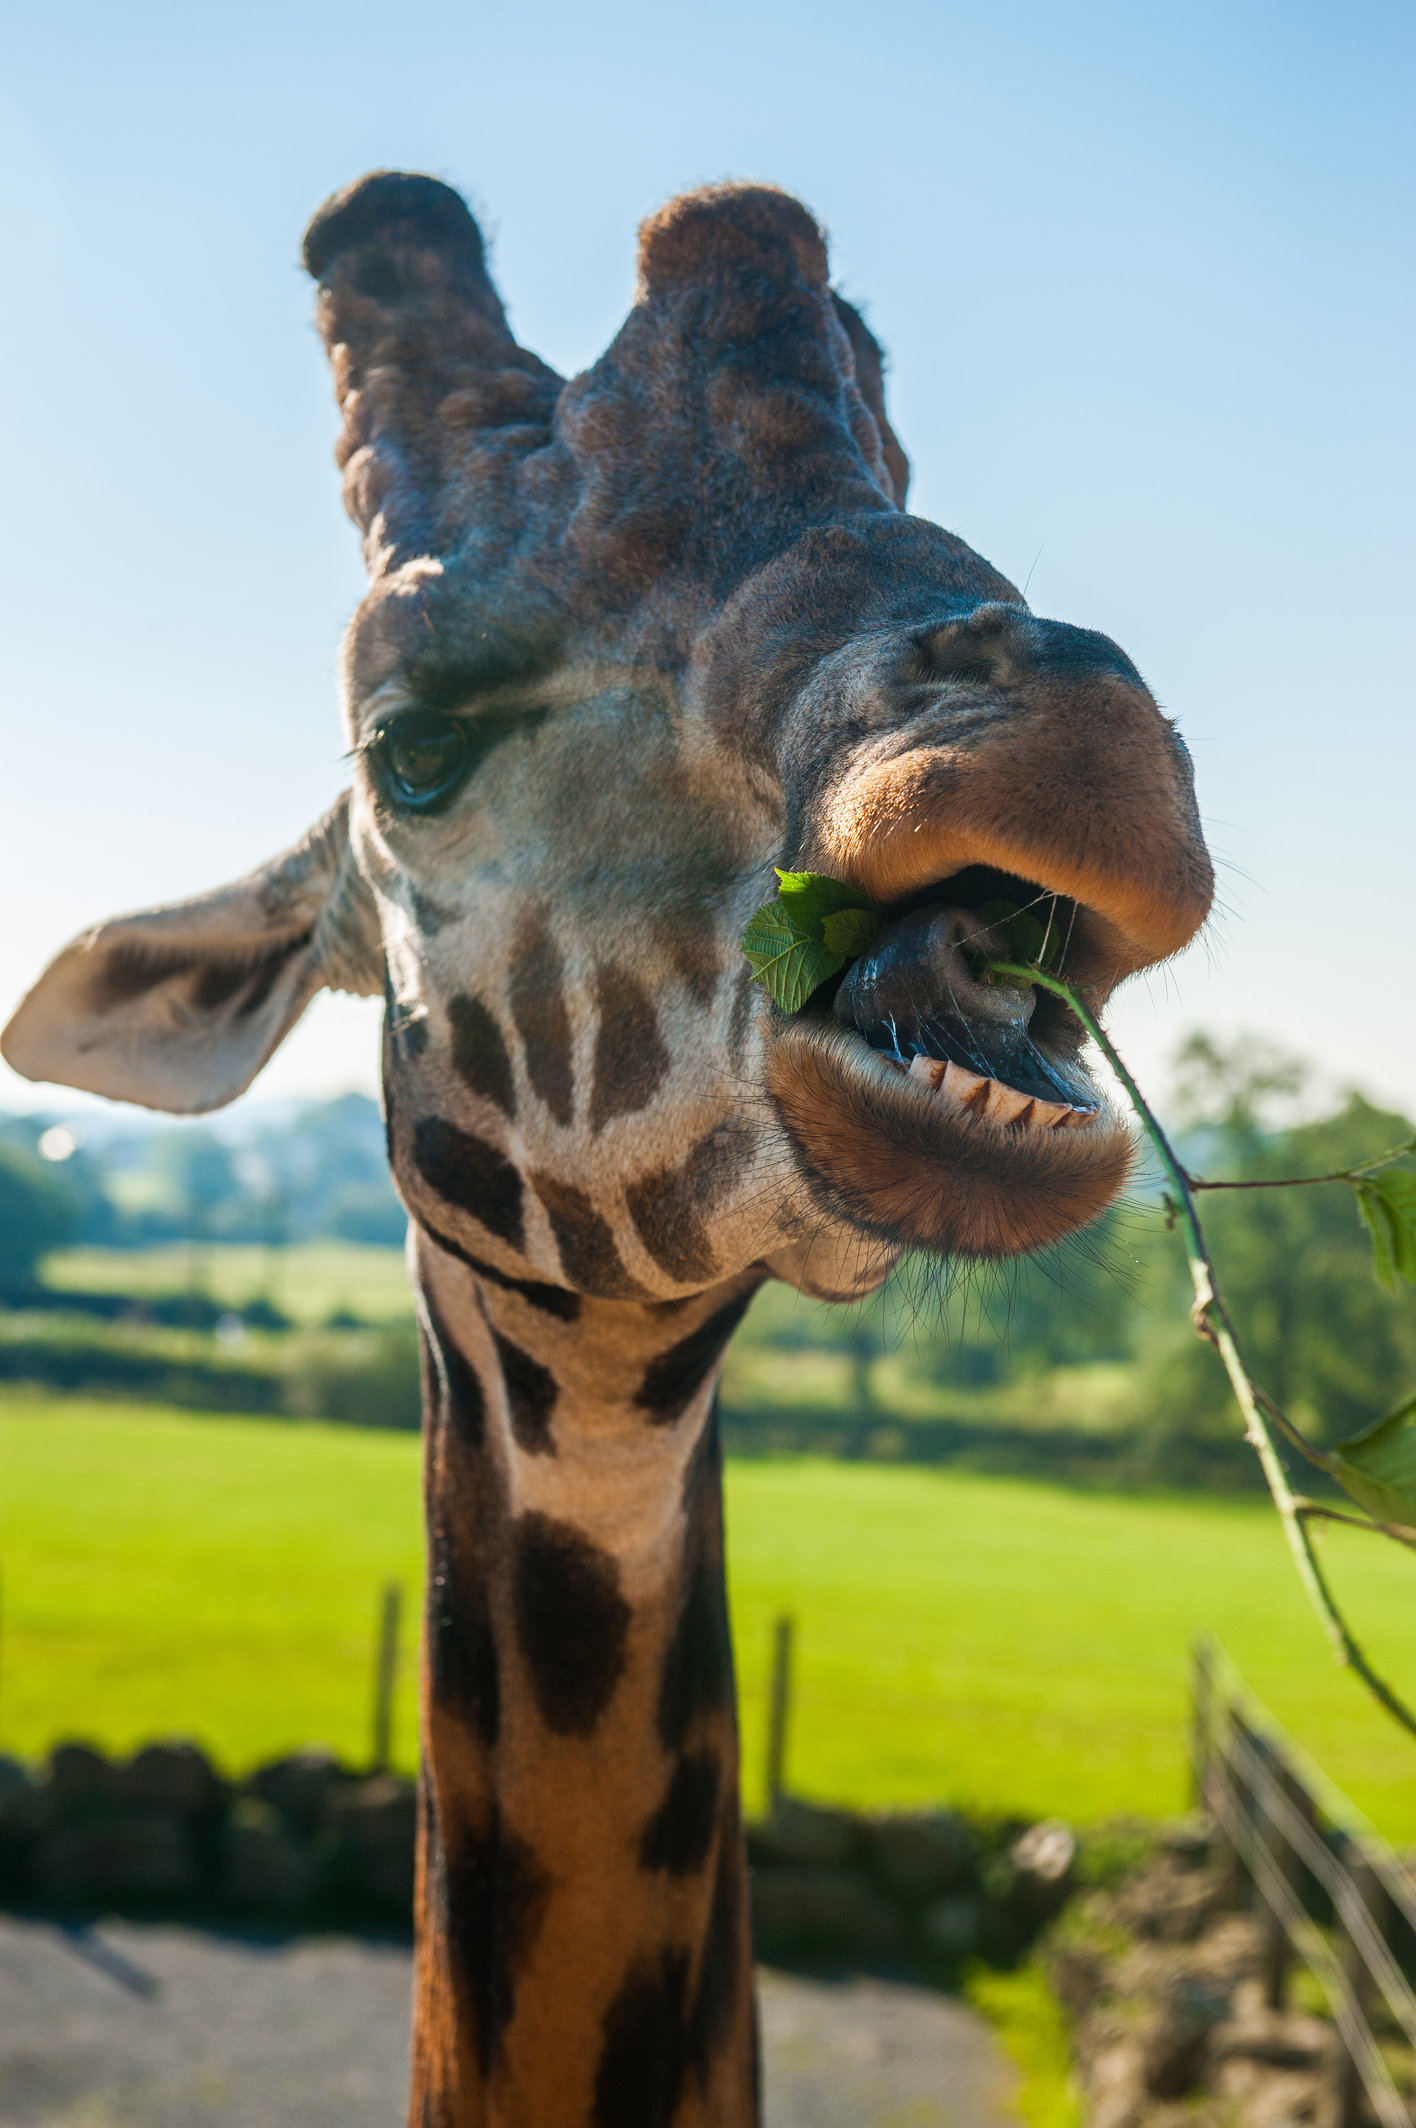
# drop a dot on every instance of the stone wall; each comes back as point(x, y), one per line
point(308, 1840)
point(1160, 1978)
point(930, 1889)
point(164, 1832)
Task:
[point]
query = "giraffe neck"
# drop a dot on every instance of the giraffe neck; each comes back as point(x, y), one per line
point(583, 1953)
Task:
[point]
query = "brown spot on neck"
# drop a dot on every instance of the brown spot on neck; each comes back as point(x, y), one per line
point(494, 1895)
point(539, 1010)
point(572, 1622)
point(530, 1395)
point(674, 1378)
point(468, 1172)
point(551, 1300)
point(670, 1207)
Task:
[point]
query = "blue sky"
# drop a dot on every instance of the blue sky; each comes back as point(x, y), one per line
point(1143, 272)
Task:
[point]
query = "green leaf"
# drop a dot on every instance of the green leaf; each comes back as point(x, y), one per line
point(1378, 1465)
point(808, 897)
point(849, 931)
point(808, 934)
point(785, 958)
point(1387, 1205)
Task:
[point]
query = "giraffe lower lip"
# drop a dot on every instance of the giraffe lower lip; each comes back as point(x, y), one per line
point(934, 1156)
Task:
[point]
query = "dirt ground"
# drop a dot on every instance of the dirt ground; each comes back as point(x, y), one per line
point(128, 2025)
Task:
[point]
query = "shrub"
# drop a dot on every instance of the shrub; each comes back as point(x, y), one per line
point(38, 1212)
point(364, 1378)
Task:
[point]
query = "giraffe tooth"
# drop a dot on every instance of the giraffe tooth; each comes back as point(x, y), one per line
point(1003, 1104)
point(991, 1100)
point(965, 1088)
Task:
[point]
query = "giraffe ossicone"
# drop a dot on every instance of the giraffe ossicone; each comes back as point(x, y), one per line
point(631, 641)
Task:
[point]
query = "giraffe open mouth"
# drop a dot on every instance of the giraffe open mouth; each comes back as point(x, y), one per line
point(947, 1108)
point(999, 1052)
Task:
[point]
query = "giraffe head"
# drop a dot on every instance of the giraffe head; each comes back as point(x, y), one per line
point(629, 642)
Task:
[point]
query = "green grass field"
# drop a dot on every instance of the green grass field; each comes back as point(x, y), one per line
point(314, 1279)
point(309, 1281)
point(960, 1638)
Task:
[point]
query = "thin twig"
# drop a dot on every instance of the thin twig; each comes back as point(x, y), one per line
point(1318, 1457)
point(1308, 1182)
point(1320, 1511)
point(1212, 1320)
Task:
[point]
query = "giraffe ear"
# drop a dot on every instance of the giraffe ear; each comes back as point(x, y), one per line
point(179, 1007)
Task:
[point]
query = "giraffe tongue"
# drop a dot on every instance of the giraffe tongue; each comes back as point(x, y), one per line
point(919, 974)
point(915, 997)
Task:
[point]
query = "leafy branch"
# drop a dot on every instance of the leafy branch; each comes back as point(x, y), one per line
point(817, 925)
point(1386, 1204)
point(1376, 1467)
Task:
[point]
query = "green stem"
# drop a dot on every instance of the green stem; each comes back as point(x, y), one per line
point(1211, 1319)
point(1318, 1457)
point(1308, 1182)
point(1318, 1510)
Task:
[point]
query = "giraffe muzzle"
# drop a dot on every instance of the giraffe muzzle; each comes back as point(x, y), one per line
point(944, 1109)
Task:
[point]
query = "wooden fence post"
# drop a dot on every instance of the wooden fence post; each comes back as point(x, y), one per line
point(1201, 1718)
point(1303, 1859)
point(1248, 1804)
point(1222, 1794)
point(1348, 2109)
point(778, 1707)
point(1275, 1950)
point(385, 1675)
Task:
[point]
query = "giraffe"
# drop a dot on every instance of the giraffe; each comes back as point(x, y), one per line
point(629, 641)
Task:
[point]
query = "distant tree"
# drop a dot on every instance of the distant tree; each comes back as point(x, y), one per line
point(199, 1171)
point(330, 1165)
point(1243, 1088)
point(1079, 1302)
point(82, 1174)
point(1319, 1334)
point(319, 1172)
point(368, 1212)
point(38, 1213)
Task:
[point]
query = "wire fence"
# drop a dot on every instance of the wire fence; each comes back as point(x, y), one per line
point(1330, 1893)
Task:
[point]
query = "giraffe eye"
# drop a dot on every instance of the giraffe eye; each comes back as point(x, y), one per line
point(424, 757)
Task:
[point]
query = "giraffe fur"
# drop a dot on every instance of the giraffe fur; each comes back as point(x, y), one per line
point(630, 640)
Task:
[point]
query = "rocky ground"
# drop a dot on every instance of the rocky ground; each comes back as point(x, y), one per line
point(1170, 2027)
point(151, 2025)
